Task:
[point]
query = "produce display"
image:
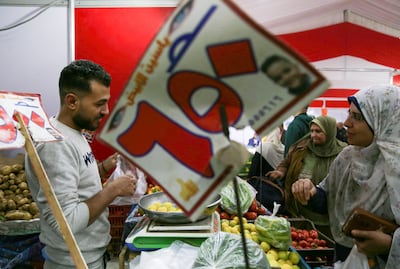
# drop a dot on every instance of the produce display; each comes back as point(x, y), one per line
point(307, 239)
point(15, 198)
point(255, 210)
point(163, 207)
point(277, 258)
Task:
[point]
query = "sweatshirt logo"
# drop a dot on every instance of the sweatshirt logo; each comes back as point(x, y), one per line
point(89, 158)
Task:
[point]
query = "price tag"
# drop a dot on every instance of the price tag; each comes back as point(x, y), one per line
point(208, 54)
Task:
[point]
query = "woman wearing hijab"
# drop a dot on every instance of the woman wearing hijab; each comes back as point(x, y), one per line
point(268, 155)
point(310, 157)
point(365, 174)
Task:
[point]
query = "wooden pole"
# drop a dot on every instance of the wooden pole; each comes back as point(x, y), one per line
point(51, 197)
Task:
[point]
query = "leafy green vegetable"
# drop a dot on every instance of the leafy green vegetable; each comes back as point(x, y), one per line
point(246, 195)
point(274, 230)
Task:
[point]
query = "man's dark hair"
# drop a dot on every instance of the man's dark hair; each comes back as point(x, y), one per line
point(76, 77)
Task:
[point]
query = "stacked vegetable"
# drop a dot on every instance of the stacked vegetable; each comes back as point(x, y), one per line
point(15, 197)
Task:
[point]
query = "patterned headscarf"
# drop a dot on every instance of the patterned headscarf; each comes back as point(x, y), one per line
point(369, 177)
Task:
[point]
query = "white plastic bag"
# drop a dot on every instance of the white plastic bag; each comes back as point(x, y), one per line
point(355, 260)
point(178, 255)
point(124, 167)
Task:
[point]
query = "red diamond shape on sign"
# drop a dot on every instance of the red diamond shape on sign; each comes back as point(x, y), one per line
point(36, 118)
point(233, 58)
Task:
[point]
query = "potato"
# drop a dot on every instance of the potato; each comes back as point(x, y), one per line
point(26, 193)
point(3, 204)
point(12, 176)
point(23, 201)
point(18, 215)
point(9, 193)
point(12, 187)
point(23, 186)
point(16, 167)
point(11, 204)
point(33, 208)
point(5, 170)
point(4, 186)
point(25, 207)
point(21, 177)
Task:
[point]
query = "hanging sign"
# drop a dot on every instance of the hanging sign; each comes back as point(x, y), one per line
point(31, 109)
point(207, 56)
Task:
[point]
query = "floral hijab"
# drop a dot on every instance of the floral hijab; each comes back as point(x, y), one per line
point(369, 177)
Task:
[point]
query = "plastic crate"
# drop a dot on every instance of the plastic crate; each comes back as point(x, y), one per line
point(117, 216)
point(315, 257)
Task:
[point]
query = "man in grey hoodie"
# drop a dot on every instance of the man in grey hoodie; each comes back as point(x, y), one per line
point(73, 172)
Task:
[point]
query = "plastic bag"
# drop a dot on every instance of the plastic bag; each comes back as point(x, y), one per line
point(225, 250)
point(355, 260)
point(274, 230)
point(246, 195)
point(124, 167)
point(178, 255)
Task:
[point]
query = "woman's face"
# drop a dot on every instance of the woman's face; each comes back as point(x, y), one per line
point(318, 137)
point(358, 132)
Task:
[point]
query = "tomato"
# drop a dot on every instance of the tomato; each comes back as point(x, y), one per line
point(253, 207)
point(223, 215)
point(250, 215)
point(304, 244)
point(313, 234)
point(262, 211)
point(294, 235)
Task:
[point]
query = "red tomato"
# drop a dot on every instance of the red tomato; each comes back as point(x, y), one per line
point(250, 215)
point(306, 233)
point(304, 244)
point(294, 235)
point(253, 206)
point(313, 234)
point(300, 236)
point(223, 215)
point(261, 211)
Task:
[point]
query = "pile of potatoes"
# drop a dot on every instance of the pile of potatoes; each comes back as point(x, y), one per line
point(15, 198)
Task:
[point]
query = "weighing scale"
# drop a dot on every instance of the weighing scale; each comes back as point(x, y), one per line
point(150, 235)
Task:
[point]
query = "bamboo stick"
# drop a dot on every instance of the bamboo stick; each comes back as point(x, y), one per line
point(51, 198)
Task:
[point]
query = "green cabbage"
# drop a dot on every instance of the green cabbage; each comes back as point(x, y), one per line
point(246, 196)
point(274, 230)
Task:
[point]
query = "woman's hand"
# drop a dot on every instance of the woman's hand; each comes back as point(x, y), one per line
point(372, 243)
point(274, 175)
point(303, 190)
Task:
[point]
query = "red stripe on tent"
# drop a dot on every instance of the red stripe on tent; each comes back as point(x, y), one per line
point(339, 93)
point(345, 39)
point(337, 104)
point(316, 103)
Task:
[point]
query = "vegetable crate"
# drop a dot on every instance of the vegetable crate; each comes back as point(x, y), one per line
point(315, 257)
point(117, 216)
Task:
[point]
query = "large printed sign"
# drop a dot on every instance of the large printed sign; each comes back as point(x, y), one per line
point(30, 108)
point(208, 55)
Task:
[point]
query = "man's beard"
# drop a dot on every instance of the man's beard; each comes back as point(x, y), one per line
point(84, 123)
